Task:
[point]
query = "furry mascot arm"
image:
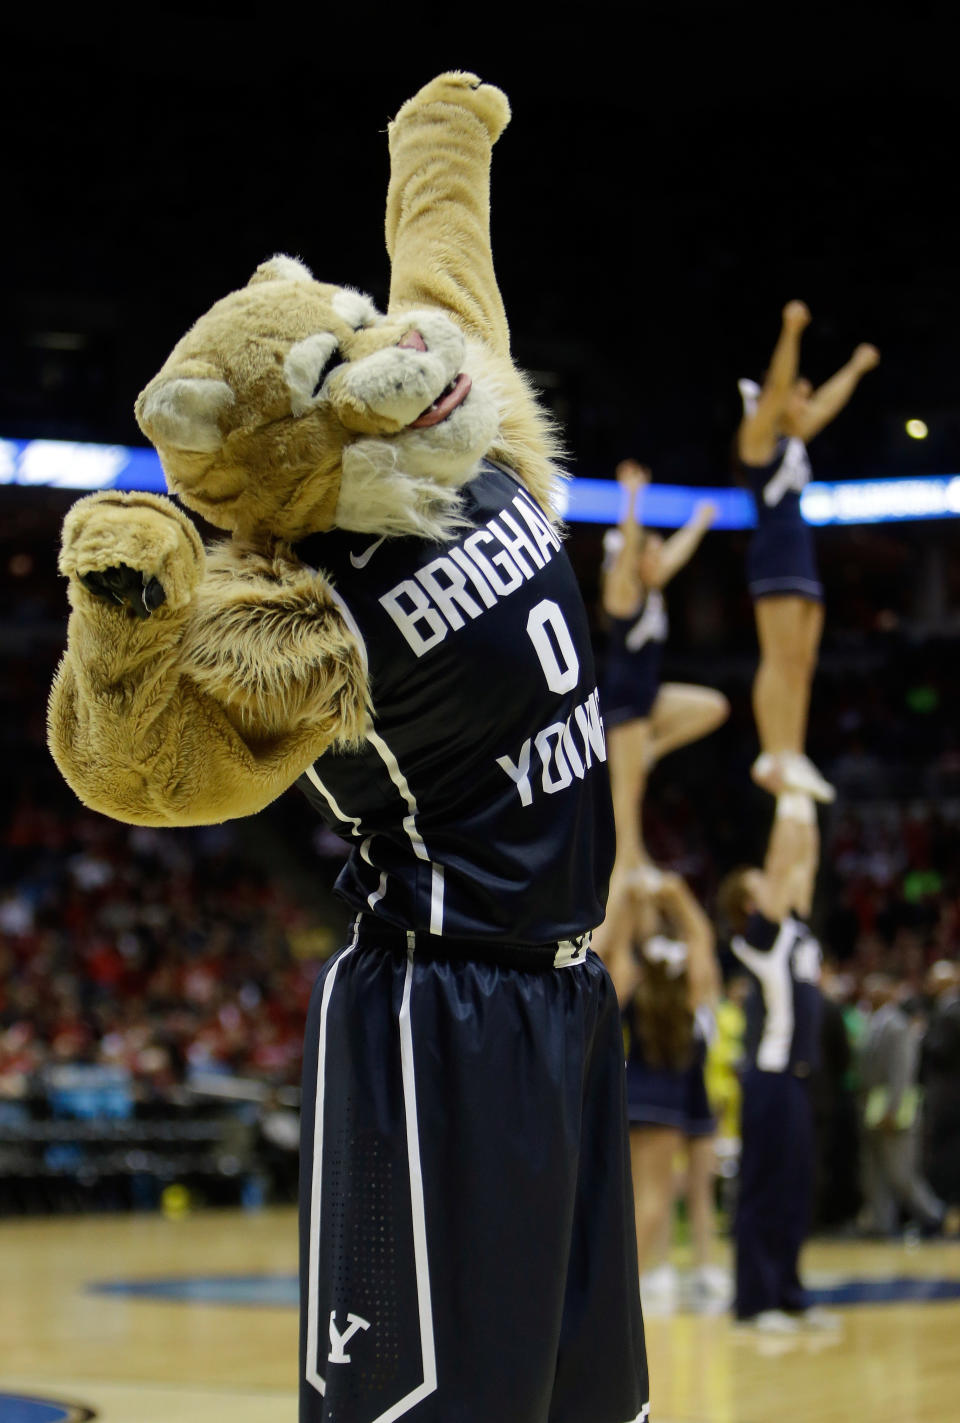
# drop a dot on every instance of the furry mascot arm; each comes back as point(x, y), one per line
point(438, 238)
point(438, 205)
point(173, 718)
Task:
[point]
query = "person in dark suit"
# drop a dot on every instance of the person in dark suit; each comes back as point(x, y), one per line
point(940, 1077)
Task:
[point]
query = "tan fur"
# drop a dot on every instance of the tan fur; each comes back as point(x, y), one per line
point(144, 531)
point(528, 439)
point(220, 699)
point(268, 641)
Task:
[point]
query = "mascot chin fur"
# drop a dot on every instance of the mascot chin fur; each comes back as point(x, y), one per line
point(198, 684)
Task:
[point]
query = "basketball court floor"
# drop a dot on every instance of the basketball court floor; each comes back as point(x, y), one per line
point(141, 1319)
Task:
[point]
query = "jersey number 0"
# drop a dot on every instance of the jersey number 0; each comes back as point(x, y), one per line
point(557, 654)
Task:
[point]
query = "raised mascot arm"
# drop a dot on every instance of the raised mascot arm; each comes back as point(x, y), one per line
point(438, 238)
point(438, 204)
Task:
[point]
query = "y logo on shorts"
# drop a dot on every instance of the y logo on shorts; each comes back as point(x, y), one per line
point(338, 1341)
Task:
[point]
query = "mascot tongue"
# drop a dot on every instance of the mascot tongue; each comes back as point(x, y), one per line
point(445, 404)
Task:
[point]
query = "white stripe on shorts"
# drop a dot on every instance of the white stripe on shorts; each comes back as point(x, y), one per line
point(313, 1305)
point(424, 1303)
point(417, 1207)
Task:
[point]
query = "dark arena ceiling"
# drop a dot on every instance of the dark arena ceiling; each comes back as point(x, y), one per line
point(673, 174)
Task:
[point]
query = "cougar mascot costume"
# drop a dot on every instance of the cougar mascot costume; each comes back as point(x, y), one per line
point(393, 625)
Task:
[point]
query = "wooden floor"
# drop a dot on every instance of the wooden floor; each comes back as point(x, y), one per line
point(137, 1360)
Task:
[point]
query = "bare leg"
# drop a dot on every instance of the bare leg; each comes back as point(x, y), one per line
point(660, 1249)
point(700, 1173)
point(788, 630)
point(812, 633)
point(681, 714)
point(710, 1285)
point(627, 751)
point(652, 1151)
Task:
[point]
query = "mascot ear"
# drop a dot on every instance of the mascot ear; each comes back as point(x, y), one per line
point(281, 269)
point(184, 413)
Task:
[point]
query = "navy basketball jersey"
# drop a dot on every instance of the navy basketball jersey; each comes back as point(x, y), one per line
point(784, 1007)
point(479, 804)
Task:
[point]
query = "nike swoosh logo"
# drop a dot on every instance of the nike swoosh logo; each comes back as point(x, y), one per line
point(360, 560)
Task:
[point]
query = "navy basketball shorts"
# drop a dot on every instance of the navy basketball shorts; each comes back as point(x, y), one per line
point(467, 1237)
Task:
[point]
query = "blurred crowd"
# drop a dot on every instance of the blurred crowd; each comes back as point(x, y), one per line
point(886, 1098)
point(176, 956)
point(165, 954)
point(889, 887)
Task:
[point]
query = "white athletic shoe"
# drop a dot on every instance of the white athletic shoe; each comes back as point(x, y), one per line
point(770, 1321)
point(658, 1291)
point(767, 772)
point(781, 771)
point(800, 774)
point(709, 1290)
point(821, 1320)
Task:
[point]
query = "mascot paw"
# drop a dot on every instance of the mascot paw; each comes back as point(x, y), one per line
point(135, 550)
point(485, 101)
point(139, 593)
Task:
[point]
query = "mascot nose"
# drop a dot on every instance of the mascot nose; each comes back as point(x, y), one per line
point(413, 341)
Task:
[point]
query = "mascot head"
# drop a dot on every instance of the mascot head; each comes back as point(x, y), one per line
point(292, 407)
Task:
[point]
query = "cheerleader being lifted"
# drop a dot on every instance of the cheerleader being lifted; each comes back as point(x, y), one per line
point(779, 420)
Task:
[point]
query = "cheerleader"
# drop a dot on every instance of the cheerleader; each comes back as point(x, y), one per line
point(767, 910)
point(645, 719)
point(659, 949)
point(779, 420)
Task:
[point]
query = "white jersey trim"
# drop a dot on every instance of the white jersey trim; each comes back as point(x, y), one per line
point(351, 623)
point(772, 970)
point(410, 826)
point(400, 781)
point(351, 820)
point(374, 898)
